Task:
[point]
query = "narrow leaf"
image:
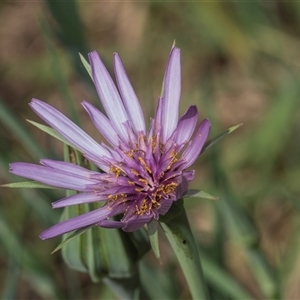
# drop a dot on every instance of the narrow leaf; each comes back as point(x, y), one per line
point(181, 239)
point(50, 131)
point(200, 194)
point(213, 141)
point(28, 185)
point(86, 65)
point(71, 237)
point(153, 238)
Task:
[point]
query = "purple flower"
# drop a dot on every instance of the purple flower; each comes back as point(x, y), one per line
point(144, 172)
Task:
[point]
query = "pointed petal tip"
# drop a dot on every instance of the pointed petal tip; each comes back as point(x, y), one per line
point(93, 53)
point(207, 123)
point(45, 235)
point(33, 101)
point(175, 51)
point(41, 236)
point(13, 166)
point(93, 56)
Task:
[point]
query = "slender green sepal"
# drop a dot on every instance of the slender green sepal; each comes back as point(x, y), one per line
point(213, 141)
point(180, 236)
point(153, 238)
point(73, 235)
point(199, 194)
point(86, 65)
point(28, 185)
point(50, 131)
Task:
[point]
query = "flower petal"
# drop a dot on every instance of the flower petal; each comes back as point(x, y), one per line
point(67, 128)
point(102, 123)
point(78, 199)
point(189, 175)
point(70, 168)
point(158, 116)
point(111, 224)
point(129, 97)
point(51, 176)
point(171, 94)
point(108, 94)
point(186, 125)
point(182, 187)
point(136, 222)
point(78, 222)
point(165, 206)
point(193, 150)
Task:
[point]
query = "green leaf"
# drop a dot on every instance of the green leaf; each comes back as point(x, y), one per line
point(200, 194)
point(175, 210)
point(48, 130)
point(71, 237)
point(72, 251)
point(213, 141)
point(51, 132)
point(140, 241)
point(153, 237)
point(86, 65)
point(118, 253)
point(28, 184)
point(181, 239)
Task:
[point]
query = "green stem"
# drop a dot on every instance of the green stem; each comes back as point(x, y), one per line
point(180, 236)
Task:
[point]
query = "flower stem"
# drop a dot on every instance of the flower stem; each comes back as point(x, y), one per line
point(180, 236)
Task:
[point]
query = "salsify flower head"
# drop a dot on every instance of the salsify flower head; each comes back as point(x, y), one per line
point(143, 172)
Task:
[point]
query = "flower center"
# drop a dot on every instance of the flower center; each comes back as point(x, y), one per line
point(148, 174)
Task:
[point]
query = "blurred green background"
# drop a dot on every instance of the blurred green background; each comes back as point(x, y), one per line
point(240, 64)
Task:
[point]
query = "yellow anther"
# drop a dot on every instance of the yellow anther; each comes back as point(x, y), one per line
point(143, 208)
point(130, 182)
point(174, 159)
point(153, 143)
point(133, 171)
point(144, 181)
point(130, 153)
point(117, 197)
point(169, 188)
point(117, 171)
point(144, 164)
